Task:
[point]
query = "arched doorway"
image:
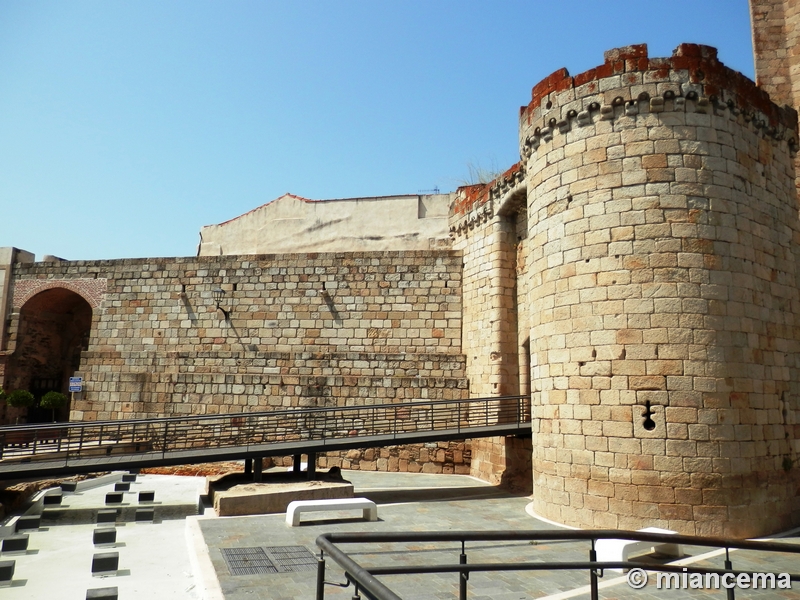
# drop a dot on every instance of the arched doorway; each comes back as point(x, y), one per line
point(54, 328)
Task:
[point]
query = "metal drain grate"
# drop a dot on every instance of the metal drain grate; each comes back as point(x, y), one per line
point(247, 561)
point(292, 558)
point(264, 561)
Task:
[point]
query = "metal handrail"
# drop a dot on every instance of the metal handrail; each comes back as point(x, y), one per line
point(365, 581)
point(289, 411)
point(322, 426)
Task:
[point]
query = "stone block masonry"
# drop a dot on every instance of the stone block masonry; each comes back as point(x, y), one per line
point(775, 39)
point(664, 301)
point(291, 331)
point(489, 226)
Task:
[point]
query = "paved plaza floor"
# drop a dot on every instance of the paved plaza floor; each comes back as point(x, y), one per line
point(206, 557)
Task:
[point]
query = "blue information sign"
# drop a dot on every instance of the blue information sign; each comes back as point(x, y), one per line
point(76, 384)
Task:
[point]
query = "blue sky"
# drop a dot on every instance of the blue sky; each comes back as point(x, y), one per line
point(126, 126)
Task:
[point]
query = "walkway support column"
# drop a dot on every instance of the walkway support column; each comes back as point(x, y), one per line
point(312, 465)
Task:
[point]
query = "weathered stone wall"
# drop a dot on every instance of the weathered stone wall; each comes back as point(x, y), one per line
point(489, 226)
point(663, 226)
point(150, 384)
point(776, 27)
point(300, 330)
point(8, 256)
point(378, 316)
point(433, 457)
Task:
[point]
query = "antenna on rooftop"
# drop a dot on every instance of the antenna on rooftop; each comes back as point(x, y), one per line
point(433, 191)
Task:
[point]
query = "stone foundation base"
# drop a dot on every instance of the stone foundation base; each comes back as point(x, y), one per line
point(435, 457)
point(266, 498)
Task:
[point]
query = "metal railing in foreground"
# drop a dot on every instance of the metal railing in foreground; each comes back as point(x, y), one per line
point(323, 426)
point(364, 579)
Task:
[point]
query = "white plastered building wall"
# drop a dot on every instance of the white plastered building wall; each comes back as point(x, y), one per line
point(294, 224)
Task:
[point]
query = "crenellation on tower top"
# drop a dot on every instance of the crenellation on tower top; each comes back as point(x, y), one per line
point(693, 69)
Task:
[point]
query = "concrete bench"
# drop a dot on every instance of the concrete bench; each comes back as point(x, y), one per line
point(53, 498)
point(107, 562)
point(28, 522)
point(69, 486)
point(145, 514)
point(297, 507)
point(108, 515)
point(104, 535)
point(614, 550)
point(15, 543)
point(6, 572)
point(106, 593)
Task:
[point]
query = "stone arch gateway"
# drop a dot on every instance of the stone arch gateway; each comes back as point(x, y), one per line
point(52, 330)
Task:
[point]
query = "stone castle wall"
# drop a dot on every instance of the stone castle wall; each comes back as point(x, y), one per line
point(489, 226)
point(776, 33)
point(664, 226)
point(301, 330)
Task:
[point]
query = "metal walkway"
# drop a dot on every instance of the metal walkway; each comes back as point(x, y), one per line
point(32, 451)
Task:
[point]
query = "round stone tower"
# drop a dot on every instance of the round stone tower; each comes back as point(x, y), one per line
point(663, 297)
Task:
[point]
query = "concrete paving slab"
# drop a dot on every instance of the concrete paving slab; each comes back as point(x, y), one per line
point(182, 558)
point(413, 502)
point(154, 558)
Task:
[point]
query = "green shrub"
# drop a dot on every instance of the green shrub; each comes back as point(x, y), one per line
point(20, 399)
point(53, 400)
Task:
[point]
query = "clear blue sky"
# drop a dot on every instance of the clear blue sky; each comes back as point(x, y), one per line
point(126, 126)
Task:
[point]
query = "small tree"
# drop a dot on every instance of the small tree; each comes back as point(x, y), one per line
point(53, 401)
point(20, 399)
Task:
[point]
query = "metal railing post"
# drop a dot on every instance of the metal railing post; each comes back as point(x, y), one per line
point(80, 441)
point(463, 576)
point(320, 577)
point(729, 567)
point(166, 429)
point(593, 574)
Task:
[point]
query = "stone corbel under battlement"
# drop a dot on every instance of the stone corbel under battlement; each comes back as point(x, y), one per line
point(474, 218)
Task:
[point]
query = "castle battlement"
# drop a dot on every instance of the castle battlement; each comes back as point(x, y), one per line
point(630, 83)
